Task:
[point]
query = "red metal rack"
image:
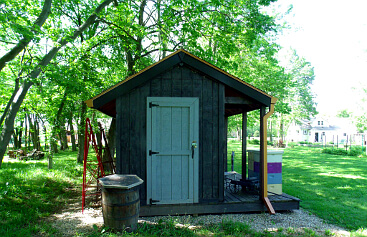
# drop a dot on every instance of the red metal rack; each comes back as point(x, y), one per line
point(93, 165)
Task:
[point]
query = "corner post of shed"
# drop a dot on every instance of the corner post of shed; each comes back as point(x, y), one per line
point(264, 154)
point(244, 144)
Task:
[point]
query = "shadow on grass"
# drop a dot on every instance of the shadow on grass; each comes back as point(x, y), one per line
point(331, 186)
point(29, 191)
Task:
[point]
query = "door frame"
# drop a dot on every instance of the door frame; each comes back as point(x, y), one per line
point(194, 114)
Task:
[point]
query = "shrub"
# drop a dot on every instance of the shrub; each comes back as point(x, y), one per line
point(334, 151)
point(354, 151)
point(254, 142)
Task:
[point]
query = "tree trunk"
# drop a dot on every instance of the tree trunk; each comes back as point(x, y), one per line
point(19, 135)
point(37, 127)
point(53, 140)
point(81, 132)
point(34, 134)
point(109, 146)
point(8, 128)
point(59, 124)
point(64, 138)
point(45, 132)
point(16, 88)
point(72, 134)
point(26, 133)
point(15, 137)
point(98, 134)
point(111, 137)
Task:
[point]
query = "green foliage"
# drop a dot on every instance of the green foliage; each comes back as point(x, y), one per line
point(253, 141)
point(353, 151)
point(343, 114)
point(235, 228)
point(361, 122)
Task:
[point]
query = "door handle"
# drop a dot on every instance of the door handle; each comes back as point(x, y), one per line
point(193, 146)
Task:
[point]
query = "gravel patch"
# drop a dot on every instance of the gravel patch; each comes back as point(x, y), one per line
point(71, 221)
point(296, 221)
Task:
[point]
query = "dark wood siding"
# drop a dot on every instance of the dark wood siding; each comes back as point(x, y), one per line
point(131, 127)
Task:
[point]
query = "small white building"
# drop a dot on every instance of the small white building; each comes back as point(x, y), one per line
point(320, 129)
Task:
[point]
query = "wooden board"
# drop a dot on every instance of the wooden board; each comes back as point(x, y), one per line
point(233, 203)
point(131, 129)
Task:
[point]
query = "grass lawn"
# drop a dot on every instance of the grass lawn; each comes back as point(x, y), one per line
point(333, 187)
point(29, 192)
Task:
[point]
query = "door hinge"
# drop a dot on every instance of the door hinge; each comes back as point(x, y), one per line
point(152, 202)
point(153, 152)
point(151, 105)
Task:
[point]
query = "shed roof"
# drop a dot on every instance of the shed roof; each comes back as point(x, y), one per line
point(106, 101)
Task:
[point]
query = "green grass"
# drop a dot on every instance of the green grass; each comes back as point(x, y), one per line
point(29, 192)
point(234, 145)
point(223, 229)
point(330, 186)
point(333, 187)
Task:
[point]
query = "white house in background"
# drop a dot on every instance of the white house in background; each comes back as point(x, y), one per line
point(320, 129)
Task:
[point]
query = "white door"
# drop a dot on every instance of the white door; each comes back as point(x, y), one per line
point(172, 150)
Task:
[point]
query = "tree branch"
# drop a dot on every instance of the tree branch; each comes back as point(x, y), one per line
point(25, 41)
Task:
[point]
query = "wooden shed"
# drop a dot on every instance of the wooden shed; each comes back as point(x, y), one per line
point(172, 132)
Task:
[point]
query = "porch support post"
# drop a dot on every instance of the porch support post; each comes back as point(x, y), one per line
point(226, 145)
point(264, 155)
point(244, 144)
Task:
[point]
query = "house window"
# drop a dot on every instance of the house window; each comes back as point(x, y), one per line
point(323, 133)
point(305, 132)
point(344, 134)
point(322, 122)
point(318, 122)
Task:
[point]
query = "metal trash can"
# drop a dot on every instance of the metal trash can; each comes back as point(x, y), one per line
point(120, 201)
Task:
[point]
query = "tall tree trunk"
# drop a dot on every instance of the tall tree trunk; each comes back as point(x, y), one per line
point(16, 88)
point(53, 141)
point(26, 133)
point(64, 138)
point(8, 127)
point(37, 128)
point(110, 145)
point(45, 132)
point(15, 137)
point(72, 134)
point(98, 134)
point(58, 124)
point(81, 132)
point(19, 135)
point(34, 134)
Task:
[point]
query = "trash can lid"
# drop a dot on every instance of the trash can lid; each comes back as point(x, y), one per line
point(121, 181)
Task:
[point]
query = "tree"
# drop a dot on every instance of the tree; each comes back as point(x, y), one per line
point(28, 33)
point(343, 114)
point(360, 115)
point(122, 40)
point(30, 79)
point(301, 97)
